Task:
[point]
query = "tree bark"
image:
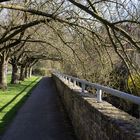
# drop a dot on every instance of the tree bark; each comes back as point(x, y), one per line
point(22, 73)
point(26, 73)
point(30, 71)
point(15, 75)
point(3, 74)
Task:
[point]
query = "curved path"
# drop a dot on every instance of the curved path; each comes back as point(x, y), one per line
point(42, 117)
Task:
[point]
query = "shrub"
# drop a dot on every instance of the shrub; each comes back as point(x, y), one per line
point(39, 71)
point(134, 85)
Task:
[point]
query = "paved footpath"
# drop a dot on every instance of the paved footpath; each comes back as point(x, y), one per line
point(41, 117)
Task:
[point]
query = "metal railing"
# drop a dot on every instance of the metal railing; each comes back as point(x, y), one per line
point(99, 88)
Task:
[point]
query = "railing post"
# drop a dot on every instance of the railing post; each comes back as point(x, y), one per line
point(65, 79)
point(69, 79)
point(83, 87)
point(74, 83)
point(99, 95)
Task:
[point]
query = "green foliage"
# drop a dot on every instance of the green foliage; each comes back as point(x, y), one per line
point(39, 71)
point(12, 99)
point(134, 84)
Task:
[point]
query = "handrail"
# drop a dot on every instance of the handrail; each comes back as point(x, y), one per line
point(99, 88)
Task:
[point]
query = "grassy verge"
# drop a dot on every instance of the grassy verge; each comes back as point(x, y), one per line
point(12, 99)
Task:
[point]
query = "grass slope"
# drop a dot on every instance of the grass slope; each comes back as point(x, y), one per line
point(12, 99)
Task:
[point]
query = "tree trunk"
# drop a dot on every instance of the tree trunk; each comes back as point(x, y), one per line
point(30, 71)
point(26, 73)
point(22, 73)
point(15, 76)
point(3, 74)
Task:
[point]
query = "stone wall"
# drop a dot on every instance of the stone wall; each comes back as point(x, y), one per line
point(96, 121)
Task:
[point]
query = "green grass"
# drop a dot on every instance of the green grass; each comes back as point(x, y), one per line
point(12, 99)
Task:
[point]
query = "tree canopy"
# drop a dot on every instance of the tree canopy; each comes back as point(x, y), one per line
point(89, 37)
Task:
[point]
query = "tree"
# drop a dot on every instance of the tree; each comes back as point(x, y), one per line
point(104, 22)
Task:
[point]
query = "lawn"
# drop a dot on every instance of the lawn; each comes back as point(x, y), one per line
point(12, 99)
